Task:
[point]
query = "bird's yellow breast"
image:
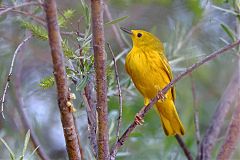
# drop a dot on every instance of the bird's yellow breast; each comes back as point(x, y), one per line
point(146, 69)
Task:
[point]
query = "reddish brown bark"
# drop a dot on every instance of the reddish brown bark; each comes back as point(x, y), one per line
point(67, 119)
point(101, 80)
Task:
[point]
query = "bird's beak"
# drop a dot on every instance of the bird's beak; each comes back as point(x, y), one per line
point(126, 30)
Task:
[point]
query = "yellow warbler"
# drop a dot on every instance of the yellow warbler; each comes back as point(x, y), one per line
point(151, 72)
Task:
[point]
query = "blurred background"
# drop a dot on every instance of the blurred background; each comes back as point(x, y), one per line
point(189, 29)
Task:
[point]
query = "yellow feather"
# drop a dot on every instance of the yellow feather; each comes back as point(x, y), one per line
point(151, 72)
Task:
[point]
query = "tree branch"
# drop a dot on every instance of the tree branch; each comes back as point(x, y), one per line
point(196, 113)
point(184, 147)
point(119, 124)
point(146, 108)
point(27, 14)
point(10, 73)
point(24, 118)
point(67, 119)
point(114, 28)
point(89, 99)
point(41, 153)
point(101, 80)
point(7, 9)
point(211, 135)
point(232, 137)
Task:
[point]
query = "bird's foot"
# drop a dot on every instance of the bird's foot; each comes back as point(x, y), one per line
point(138, 120)
point(161, 96)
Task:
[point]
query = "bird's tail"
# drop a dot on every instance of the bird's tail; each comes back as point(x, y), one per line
point(171, 122)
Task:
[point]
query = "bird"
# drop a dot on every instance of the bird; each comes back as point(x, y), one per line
point(150, 72)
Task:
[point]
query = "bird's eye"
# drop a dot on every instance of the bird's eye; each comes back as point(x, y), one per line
point(139, 35)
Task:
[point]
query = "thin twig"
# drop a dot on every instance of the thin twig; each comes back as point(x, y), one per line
point(232, 136)
point(10, 73)
point(114, 28)
point(146, 108)
point(35, 18)
point(98, 40)
point(211, 135)
point(69, 128)
point(41, 152)
point(184, 147)
point(7, 9)
point(187, 37)
point(89, 99)
point(24, 118)
point(196, 112)
point(79, 140)
point(119, 124)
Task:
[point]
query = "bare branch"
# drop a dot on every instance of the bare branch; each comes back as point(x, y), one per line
point(196, 112)
point(184, 147)
point(101, 80)
point(232, 136)
point(79, 140)
point(211, 135)
point(89, 99)
point(24, 118)
point(146, 108)
point(67, 119)
point(7, 9)
point(35, 18)
point(119, 124)
point(114, 28)
point(10, 73)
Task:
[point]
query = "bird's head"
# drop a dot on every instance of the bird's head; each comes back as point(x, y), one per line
point(141, 38)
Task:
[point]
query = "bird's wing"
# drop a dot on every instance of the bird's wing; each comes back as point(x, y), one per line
point(168, 70)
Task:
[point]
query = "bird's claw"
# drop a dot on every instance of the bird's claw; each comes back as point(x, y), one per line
point(138, 120)
point(161, 96)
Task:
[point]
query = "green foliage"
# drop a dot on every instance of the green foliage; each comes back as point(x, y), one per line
point(47, 82)
point(110, 77)
point(195, 7)
point(226, 28)
point(219, 2)
point(85, 41)
point(68, 52)
point(84, 77)
point(13, 155)
point(86, 12)
point(41, 34)
point(37, 31)
point(82, 83)
point(116, 20)
point(64, 18)
point(229, 32)
point(82, 68)
point(27, 137)
point(126, 3)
